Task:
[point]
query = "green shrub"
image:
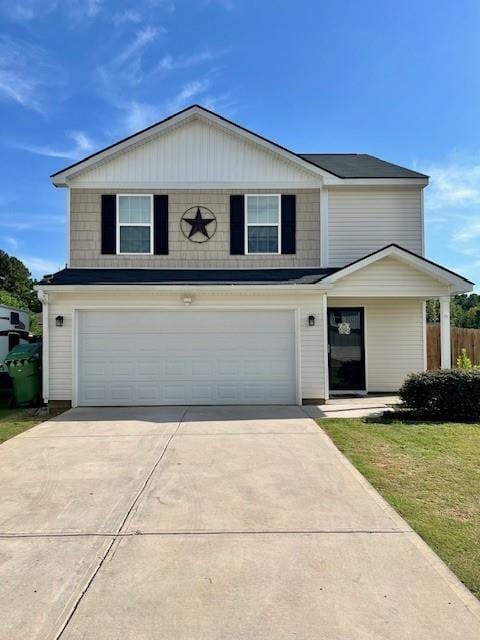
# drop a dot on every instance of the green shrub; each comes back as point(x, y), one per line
point(464, 362)
point(451, 394)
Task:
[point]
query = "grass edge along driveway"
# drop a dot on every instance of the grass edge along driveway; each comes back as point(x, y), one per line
point(15, 421)
point(430, 473)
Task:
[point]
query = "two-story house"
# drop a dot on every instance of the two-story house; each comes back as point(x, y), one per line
point(209, 265)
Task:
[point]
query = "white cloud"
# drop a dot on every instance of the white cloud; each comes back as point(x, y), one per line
point(452, 209)
point(23, 10)
point(138, 115)
point(12, 242)
point(37, 221)
point(468, 233)
point(126, 17)
point(125, 70)
point(25, 73)
point(28, 10)
point(455, 183)
point(39, 266)
point(92, 7)
point(143, 37)
point(82, 146)
point(171, 63)
point(186, 94)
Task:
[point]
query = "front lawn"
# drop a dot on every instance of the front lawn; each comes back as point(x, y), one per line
point(430, 473)
point(14, 421)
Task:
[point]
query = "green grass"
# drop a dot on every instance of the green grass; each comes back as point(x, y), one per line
point(430, 473)
point(14, 421)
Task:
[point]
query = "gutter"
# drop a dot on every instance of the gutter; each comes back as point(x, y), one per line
point(43, 297)
point(271, 288)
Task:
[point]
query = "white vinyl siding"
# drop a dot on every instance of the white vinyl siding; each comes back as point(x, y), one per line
point(197, 152)
point(394, 339)
point(363, 220)
point(389, 277)
point(311, 372)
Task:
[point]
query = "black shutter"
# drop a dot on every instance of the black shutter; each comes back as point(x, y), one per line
point(237, 225)
point(289, 223)
point(160, 225)
point(109, 223)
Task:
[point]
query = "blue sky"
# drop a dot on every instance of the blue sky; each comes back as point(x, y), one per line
point(397, 80)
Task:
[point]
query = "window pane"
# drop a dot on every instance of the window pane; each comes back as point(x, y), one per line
point(134, 239)
point(262, 239)
point(262, 209)
point(134, 209)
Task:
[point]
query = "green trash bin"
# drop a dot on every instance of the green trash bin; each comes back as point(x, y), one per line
point(24, 365)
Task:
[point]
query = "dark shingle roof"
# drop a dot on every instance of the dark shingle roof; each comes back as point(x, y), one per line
point(186, 276)
point(358, 165)
point(342, 165)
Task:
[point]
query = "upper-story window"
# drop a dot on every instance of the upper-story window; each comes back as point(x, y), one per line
point(135, 224)
point(262, 223)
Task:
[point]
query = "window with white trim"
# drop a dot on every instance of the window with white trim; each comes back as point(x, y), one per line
point(262, 224)
point(135, 224)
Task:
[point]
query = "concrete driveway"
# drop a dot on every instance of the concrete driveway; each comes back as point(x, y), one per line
point(210, 523)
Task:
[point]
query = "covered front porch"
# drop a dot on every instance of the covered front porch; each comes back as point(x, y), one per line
point(375, 321)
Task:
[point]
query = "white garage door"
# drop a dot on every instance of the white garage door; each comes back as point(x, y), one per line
point(186, 357)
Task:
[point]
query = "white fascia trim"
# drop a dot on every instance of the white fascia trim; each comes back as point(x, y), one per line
point(456, 282)
point(142, 288)
point(379, 182)
point(314, 183)
point(60, 180)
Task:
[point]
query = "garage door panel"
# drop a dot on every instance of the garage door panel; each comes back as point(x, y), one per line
point(190, 357)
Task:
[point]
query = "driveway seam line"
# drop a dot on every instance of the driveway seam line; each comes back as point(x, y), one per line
point(132, 534)
point(120, 527)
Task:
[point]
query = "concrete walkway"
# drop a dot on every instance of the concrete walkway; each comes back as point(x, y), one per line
point(354, 407)
point(213, 523)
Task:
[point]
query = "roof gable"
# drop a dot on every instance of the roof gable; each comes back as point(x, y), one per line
point(193, 146)
point(393, 265)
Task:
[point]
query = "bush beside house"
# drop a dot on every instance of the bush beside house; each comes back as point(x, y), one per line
point(451, 394)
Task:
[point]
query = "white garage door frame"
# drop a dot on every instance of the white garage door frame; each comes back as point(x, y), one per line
point(294, 309)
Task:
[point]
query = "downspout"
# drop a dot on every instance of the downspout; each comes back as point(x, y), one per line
point(43, 297)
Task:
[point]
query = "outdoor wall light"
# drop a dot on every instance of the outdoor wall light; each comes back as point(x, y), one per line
point(59, 321)
point(187, 300)
point(311, 321)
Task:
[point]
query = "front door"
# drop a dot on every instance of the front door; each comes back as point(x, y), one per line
point(346, 349)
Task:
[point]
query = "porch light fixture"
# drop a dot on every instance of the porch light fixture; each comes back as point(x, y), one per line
point(59, 321)
point(187, 300)
point(311, 321)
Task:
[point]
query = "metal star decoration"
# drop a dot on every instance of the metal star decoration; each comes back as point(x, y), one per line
point(198, 224)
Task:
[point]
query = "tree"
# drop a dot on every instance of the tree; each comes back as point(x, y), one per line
point(464, 310)
point(433, 310)
point(16, 279)
point(471, 318)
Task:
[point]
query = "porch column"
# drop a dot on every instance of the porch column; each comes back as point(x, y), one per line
point(445, 349)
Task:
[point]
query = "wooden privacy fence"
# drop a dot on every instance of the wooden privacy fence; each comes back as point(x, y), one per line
point(461, 338)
